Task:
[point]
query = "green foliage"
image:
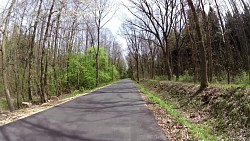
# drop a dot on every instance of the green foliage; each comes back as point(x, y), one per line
point(82, 72)
point(161, 77)
point(3, 104)
point(75, 92)
point(242, 78)
point(186, 77)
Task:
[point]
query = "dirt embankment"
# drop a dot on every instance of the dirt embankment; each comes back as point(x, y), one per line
point(225, 110)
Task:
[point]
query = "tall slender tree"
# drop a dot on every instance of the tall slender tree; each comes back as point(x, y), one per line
point(203, 64)
point(4, 57)
point(102, 9)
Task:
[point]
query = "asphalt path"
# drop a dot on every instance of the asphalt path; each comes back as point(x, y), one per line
point(113, 113)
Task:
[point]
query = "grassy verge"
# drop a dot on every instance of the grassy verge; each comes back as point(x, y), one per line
point(197, 131)
point(223, 109)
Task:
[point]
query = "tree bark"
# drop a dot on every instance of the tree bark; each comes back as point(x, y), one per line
point(54, 64)
point(87, 38)
point(226, 44)
point(97, 54)
point(32, 44)
point(137, 68)
point(4, 58)
point(203, 64)
point(167, 66)
point(43, 77)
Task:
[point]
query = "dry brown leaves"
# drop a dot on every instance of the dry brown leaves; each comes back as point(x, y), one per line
point(173, 130)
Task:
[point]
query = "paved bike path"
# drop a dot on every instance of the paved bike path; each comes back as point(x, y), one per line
point(113, 113)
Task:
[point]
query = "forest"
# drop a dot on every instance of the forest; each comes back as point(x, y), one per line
point(200, 41)
point(50, 48)
point(54, 47)
point(192, 58)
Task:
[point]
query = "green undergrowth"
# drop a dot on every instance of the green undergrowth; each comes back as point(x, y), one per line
point(226, 86)
point(225, 109)
point(197, 131)
point(3, 104)
point(73, 93)
point(82, 90)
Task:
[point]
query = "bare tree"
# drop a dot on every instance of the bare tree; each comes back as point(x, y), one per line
point(102, 9)
point(4, 57)
point(134, 45)
point(31, 54)
point(179, 26)
point(56, 40)
point(43, 76)
point(157, 17)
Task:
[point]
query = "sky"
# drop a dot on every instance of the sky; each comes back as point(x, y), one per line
point(115, 23)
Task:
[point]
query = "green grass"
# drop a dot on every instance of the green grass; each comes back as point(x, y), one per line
point(244, 85)
point(197, 131)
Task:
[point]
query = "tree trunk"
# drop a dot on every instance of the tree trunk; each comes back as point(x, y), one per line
point(142, 68)
point(178, 67)
point(32, 44)
point(97, 56)
point(167, 66)
point(55, 51)
point(203, 64)
point(97, 69)
point(226, 44)
point(153, 67)
point(43, 77)
point(210, 59)
point(112, 72)
point(17, 65)
point(137, 68)
point(87, 38)
point(177, 60)
point(4, 58)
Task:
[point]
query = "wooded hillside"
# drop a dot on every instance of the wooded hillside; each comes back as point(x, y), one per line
point(193, 41)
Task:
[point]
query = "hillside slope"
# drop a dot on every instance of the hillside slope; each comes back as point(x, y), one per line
point(225, 110)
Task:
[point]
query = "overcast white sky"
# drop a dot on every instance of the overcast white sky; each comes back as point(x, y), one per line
point(115, 23)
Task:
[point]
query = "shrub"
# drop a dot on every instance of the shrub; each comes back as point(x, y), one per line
point(81, 71)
